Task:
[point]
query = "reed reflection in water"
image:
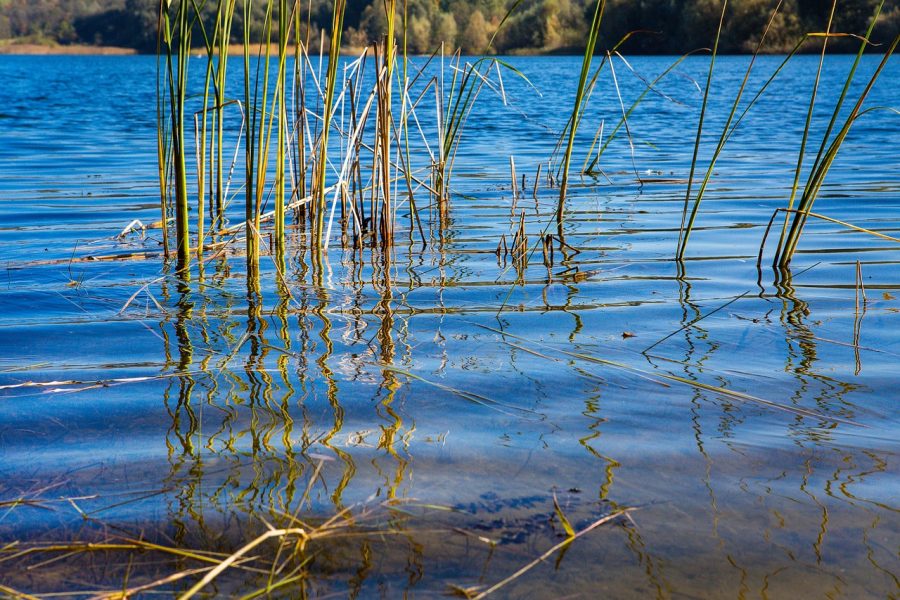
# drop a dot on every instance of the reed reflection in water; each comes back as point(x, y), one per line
point(329, 398)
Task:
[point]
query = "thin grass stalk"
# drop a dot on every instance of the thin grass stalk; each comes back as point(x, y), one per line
point(337, 26)
point(788, 244)
point(590, 169)
point(817, 178)
point(177, 40)
point(163, 147)
point(250, 137)
point(593, 36)
point(209, 43)
point(727, 130)
point(806, 129)
point(682, 233)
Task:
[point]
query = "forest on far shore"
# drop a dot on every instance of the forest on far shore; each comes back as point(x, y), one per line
point(534, 26)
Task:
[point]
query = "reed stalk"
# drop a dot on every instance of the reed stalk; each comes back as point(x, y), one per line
point(593, 36)
point(201, 139)
point(224, 19)
point(337, 26)
point(176, 42)
point(300, 126)
point(163, 147)
point(727, 130)
point(281, 108)
point(250, 139)
point(271, 117)
point(385, 125)
point(264, 129)
point(685, 230)
point(828, 150)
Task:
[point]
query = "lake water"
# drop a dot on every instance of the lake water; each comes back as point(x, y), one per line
point(444, 401)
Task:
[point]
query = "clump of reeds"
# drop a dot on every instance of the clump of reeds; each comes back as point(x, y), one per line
point(731, 123)
point(827, 151)
point(339, 140)
point(465, 86)
point(330, 140)
point(829, 146)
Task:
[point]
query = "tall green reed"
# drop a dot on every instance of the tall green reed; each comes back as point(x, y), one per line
point(163, 145)
point(224, 19)
point(593, 36)
point(731, 123)
point(175, 28)
point(250, 124)
point(829, 147)
point(337, 25)
point(271, 138)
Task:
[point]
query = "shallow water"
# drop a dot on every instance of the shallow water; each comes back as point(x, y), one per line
point(203, 410)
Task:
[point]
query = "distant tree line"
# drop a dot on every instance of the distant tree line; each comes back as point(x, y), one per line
point(662, 26)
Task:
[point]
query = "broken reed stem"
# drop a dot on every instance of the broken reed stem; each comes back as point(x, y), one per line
point(569, 539)
point(228, 562)
point(512, 175)
point(860, 286)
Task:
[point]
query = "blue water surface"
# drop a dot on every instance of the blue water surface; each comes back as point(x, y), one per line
point(748, 416)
